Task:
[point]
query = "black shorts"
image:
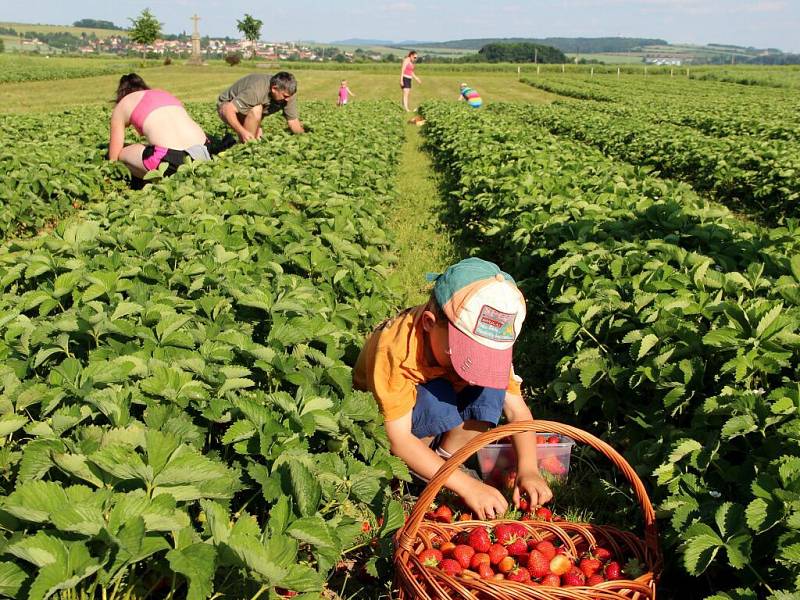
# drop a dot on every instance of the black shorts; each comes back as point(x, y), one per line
point(406, 83)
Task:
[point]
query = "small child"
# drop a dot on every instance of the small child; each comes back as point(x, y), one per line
point(344, 93)
point(441, 373)
point(472, 97)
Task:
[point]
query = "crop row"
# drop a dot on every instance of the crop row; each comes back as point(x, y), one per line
point(17, 68)
point(177, 412)
point(673, 322)
point(715, 109)
point(759, 176)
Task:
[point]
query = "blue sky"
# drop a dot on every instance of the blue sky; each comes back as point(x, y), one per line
point(760, 23)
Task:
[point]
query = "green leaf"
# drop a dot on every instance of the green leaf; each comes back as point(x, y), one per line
point(306, 490)
point(314, 531)
point(12, 579)
point(198, 564)
point(648, 343)
point(699, 551)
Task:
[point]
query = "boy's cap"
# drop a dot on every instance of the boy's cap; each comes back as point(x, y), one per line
point(463, 85)
point(485, 310)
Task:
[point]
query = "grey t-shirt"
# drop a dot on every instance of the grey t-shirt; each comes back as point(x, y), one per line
point(252, 90)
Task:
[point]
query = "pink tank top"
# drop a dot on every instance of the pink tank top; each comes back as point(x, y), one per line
point(342, 93)
point(151, 100)
point(409, 70)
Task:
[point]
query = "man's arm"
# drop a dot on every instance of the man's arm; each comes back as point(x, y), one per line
point(228, 113)
point(529, 479)
point(117, 139)
point(295, 126)
point(485, 501)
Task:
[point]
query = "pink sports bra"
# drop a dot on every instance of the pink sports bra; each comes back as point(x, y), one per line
point(151, 100)
point(409, 70)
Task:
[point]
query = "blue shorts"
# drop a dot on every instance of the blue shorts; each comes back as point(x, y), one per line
point(439, 409)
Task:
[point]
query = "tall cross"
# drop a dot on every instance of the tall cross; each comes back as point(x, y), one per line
point(195, 18)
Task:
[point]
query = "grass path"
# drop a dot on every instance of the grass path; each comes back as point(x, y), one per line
point(423, 244)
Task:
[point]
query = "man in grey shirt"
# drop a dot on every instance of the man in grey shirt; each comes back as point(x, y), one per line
point(246, 102)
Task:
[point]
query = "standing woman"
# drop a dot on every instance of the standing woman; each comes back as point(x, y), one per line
point(171, 134)
point(406, 75)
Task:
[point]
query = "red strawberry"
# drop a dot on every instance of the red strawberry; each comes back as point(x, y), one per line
point(523, 558)
point(546, 547)
point(463, 554)
point(602, 554)
point(365, 526)
point(518, 529)
point(430, 557)
point(519, 574)
point(538, 564)
point(613, 571)
point(443, 514)
point(544, 513)
point(447, 548)
point(551, 579)
point(540, 439)
point(552, 465)
point(517, 547)
point(479, 539)
point(465, 516)
point(462, 537)
point(478, 559)
point(554, 439)
point(450, 566)
point(524, 503)
point(504, 533)
point(573, 577)
point(485, 571)
point(505, 565)
point(497, 552)
point(595, 579)
point(590, 566)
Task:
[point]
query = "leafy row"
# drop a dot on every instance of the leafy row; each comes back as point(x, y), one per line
point(18, 68)
point(176, 407)
point(671, 320)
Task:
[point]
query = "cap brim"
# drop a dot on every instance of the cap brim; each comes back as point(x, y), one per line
point(477, 364)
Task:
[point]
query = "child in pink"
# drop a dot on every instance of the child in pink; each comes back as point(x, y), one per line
point(344, 93)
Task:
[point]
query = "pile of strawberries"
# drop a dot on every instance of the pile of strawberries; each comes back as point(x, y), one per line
point(507, 552)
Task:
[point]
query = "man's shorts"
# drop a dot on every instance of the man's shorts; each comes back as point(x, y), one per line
point(439, 408)
point(406, 83)
point(153, 156)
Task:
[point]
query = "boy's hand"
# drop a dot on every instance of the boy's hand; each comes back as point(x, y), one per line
point(485, 502)
point(534, 485)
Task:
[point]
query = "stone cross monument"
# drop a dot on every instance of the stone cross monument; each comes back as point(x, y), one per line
point(197, 58)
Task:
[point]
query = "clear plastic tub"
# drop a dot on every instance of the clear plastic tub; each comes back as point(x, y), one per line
point(498, 462)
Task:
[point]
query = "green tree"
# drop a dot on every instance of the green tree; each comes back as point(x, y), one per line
point(146, 28)
point(2, 47)
point(251, 29)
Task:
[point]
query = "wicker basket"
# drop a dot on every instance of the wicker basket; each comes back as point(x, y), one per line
point(413, 581)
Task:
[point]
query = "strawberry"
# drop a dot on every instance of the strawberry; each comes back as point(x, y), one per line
point(478, 559)
point(546, 547)
point(485, 571)
point(590, 566)
point(517, 547)
point(519, 574)
point(505, 565)
point(551, 579)
point(447, 548)
point(430, 557)
point(443, 514)
point(463, 554)
point(573, 577)
point(497, 552)
point(510, 480)
point(552, 465)
point(365, 526)
point(595, 579)
point(602, 554)
point(612, 571)
point(538, 564)
point(465, 516)
point(479, 539)
point(524, 503)
point(518, 529)
point(554, 439)
point(544, 513)
point(504, 533)
point(560, 564)
point(523, 558)
point(462, 537)
point(540, 439)
point(450, 566)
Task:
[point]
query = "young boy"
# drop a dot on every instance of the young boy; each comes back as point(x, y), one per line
point(441, 373)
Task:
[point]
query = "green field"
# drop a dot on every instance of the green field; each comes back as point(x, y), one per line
point(77, 31)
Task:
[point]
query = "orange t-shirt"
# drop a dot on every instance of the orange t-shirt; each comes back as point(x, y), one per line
point(393, 362)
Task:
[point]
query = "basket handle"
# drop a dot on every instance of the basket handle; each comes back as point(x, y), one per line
point(407, 535)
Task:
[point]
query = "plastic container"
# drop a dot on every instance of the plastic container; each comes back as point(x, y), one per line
point(498, 462)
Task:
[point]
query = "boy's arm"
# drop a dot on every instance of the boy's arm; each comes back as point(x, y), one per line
point(529, 479)
point(485, 501)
